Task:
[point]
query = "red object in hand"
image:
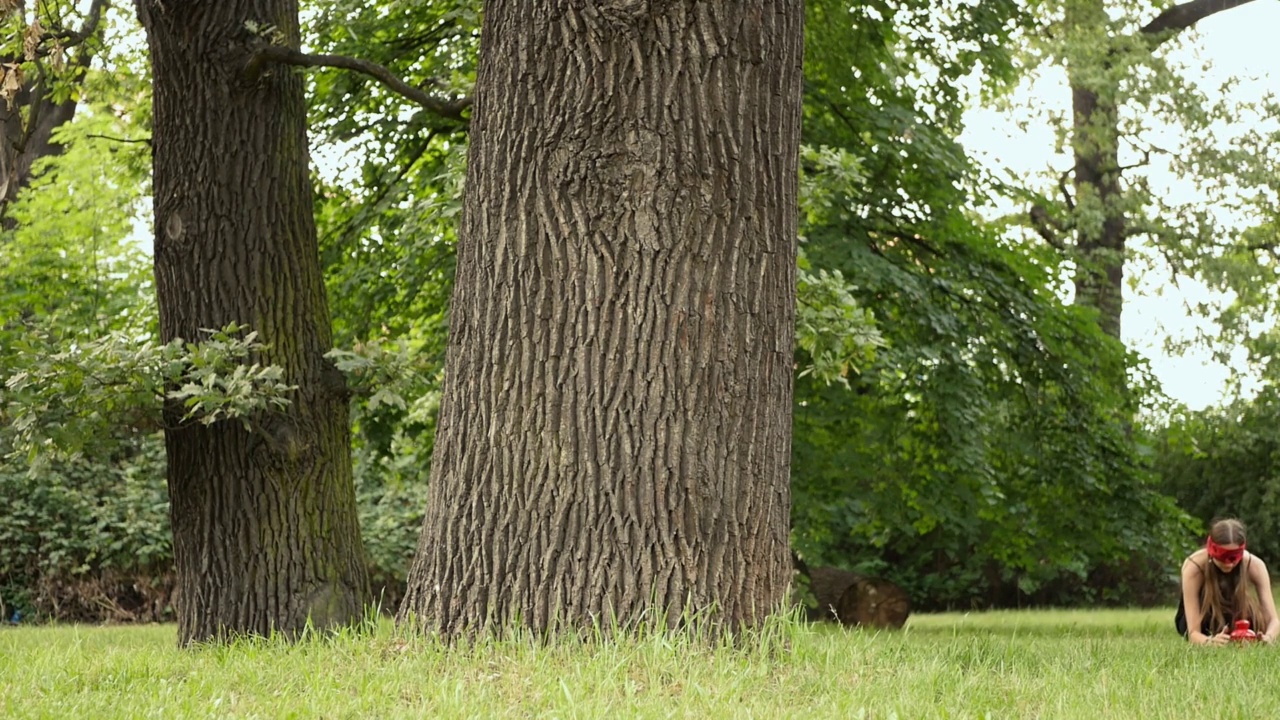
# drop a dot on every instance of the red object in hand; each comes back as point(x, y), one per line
point(1242, 633)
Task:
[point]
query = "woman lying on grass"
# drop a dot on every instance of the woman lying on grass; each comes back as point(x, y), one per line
point(1216, 582)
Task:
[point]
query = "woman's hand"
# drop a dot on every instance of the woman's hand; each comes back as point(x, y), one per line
point(1221, 638)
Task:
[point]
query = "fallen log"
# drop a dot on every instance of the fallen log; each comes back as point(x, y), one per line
point(852, 599)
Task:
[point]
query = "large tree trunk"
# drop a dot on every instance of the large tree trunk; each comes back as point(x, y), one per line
point(264, 520)
point(614, 438)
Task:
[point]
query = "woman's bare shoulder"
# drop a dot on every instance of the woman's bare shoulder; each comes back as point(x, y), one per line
point(1196, 559)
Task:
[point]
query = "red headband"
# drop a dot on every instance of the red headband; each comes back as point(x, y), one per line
point(1223, 555)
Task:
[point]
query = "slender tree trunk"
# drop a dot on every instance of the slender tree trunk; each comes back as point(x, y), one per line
point(1095, 140)
point(264, 520)
point(1100, 246)
point(614, 438)
point(1102, 221)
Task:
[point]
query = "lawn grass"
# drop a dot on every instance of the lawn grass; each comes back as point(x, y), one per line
point(1025, 664)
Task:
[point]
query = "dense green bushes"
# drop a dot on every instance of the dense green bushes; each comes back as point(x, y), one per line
point(1224, 462)
point(971, 487)
point(985, 458)
point(89, 540)
point(391, 492)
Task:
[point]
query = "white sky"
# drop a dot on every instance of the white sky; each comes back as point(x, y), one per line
point(1238, 42)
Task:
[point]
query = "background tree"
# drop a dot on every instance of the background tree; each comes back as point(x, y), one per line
point(265, 531)
point(1120, 77)
point(614, 434)
point(43, 63)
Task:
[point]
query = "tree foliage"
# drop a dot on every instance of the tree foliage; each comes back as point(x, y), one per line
point(946, 466)
point(1140, 121)
point(1225, 462)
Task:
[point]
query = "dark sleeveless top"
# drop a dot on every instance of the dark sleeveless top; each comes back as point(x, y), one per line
point(1226, 586)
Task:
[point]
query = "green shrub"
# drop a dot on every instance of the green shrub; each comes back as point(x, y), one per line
point(1224, 462)
point(391, 492)
point(88, 539)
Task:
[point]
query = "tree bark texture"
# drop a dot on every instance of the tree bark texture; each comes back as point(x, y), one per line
point(852, 599)
point(614, 438)
point(264, 520)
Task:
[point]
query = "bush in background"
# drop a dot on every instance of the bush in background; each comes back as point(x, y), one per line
point(88, 539)
point(1225, 462)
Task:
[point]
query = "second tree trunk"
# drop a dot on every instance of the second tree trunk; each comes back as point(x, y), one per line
point(614, 439)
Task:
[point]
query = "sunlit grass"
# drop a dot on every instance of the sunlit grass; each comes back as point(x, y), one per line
point(1068, 664)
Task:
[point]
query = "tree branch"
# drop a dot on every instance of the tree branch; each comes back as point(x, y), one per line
point(1047, 227)
point(384, 189)
point(451, 109)
point(112, 138)
point(1261, 246)
point(1176, 266)
point(1066, 192)
point(1146, 160)
point(907, 237)
point(1180, 17)
point(1153, 148)
point(71, 38)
